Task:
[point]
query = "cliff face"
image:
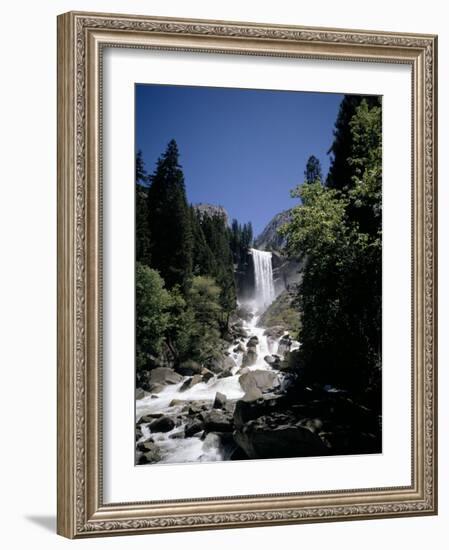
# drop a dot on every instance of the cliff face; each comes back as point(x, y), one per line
point(212, 210)
point(286, 271)
point(270, 239)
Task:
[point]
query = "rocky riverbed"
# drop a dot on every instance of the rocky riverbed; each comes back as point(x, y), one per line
point(239, 406)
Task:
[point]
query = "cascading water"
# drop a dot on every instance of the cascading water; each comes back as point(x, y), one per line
point(174, 446)
point(263, 273)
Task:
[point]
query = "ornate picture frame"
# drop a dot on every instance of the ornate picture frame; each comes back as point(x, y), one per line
point(82, 38)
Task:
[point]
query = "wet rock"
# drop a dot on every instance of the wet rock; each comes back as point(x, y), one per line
point(219, 401)
point(151, 455)
point(260, 440)
point(245, 313)
point(215, 364)
point(273, 360)
point(225, 374)
point(149, 418)
point(162, 376)
point(190, 382)
point(146, 445)
point(163, 424)
point(197, 407)
point(246, 411)
point(138, 432)
point(312, 424)
point(240, 348)
point(177, 435)
point(207, 375)
point(228, 363)
point(250, 358)
point(140, 393)
point(274, 332)
point(189, 368)
point(176, 403)
point(285, 343)
point(255, 382)
point(193, 427)
point(252, 342)
point(217, 420)
point(238, 331)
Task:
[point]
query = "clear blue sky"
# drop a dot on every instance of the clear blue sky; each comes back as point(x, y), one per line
point(241, 149)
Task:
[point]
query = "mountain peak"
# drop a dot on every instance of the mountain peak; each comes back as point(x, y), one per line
point(206, 209)
point(269, 238)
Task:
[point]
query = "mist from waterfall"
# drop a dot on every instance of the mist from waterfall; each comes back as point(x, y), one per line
point(263, 273)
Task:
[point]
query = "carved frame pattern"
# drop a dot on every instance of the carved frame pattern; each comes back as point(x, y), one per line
point(81, 37)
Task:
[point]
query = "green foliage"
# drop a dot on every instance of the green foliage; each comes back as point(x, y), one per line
point(337, 230)
point(217, 238)
point(206, 311)
point(341, 172)
point(185, 287)
point(282, 312)
point(153, 303)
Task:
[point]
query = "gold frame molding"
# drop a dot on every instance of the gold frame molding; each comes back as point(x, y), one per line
point(81, 38)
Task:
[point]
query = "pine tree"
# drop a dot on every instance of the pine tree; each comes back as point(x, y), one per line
point(143, 237)
point(203, 259)
point(170, 222)
point(313, 172)
point(340, 171)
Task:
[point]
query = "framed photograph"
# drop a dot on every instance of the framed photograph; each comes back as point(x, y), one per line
point(246, 274)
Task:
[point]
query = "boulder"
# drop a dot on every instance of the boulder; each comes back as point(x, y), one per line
point(190, 382)
point(197, 407)
point(140, 393)
point(285, 343)
point(273, 360)
point(274, 332)
point(260, 440)
point(253, 341)
point(228, 363)
point(163, 424)
point(215, 364)
point(189, 368)
point(219, 401)
point(217, 420)
point(250, 358)
point(149, 418)
point(150, 455)
point(146, 445)
point(206, 374)
point(176, 403)
point(244, 313)
point(138, 432)
point(240, 348)
point(225, 374)
point(161, 377)
point(193, 426)
point(255, 382)
point(246, 411)
point(177, 435)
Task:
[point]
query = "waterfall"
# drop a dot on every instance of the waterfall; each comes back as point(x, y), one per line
point(263, 271)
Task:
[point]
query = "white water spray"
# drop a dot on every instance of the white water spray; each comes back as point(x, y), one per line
point(263, 271)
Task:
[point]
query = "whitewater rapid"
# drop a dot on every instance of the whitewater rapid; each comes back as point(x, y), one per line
point(193, 449)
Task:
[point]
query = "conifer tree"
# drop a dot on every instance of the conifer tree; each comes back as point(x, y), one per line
point(313, 172)
point(170, 221)
point(142, 218)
